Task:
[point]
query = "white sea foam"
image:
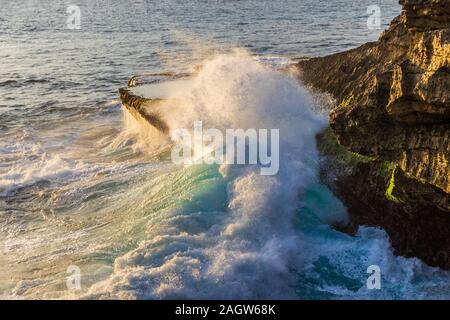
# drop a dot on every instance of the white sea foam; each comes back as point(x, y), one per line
point(28, 163)
point(251, 253)
point(274, 239)
point(197, 231)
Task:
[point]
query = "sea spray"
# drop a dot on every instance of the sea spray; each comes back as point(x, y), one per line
point(235, 146)
point(110, 205)
point(143, 227)
point(266, 236)
point(145, 136)
point(252, 253)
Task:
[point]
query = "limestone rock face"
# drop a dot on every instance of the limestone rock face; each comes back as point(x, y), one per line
point(395, 107)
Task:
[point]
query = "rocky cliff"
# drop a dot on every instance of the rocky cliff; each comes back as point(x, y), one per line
point(388, 148)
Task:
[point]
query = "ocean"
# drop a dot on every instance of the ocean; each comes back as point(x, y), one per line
point(86, 190)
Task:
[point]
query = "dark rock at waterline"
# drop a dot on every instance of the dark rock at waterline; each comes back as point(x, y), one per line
point(146, 108)
point(394, 112)
point(140, 107)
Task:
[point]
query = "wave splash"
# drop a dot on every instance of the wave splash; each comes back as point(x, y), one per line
point(139, 226)
point(260, 237)
point(252, 251)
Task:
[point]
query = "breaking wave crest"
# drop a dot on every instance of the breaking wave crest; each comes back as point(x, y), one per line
point(241, 235)
point(139, 226)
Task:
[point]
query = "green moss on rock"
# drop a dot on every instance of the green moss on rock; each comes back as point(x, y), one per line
point(390, 188)
point(346, 102)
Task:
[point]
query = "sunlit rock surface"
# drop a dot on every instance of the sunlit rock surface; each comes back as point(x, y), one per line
point(393, 114)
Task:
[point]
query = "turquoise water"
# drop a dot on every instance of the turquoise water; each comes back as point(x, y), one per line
point(82, 183)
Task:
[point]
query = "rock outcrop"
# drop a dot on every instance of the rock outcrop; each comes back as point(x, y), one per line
point(140, 107)
point(394, 116)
